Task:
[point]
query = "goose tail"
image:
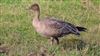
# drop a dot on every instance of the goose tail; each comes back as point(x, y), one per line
point(81, 28)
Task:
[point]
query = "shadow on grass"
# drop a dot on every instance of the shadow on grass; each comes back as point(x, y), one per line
point(73, 44)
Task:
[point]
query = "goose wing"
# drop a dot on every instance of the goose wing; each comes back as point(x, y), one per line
point(62, 27)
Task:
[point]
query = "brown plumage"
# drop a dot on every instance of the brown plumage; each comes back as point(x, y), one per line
point(52, 28)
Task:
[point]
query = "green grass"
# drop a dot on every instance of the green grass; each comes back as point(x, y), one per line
point(18, 34)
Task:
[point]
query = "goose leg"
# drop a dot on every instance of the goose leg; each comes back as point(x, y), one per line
point(54, 40)
point(57, 40)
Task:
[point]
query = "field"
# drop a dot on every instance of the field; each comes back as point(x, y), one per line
point(19, 38)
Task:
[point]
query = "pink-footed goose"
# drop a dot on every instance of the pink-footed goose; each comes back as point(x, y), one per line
point(52, 28)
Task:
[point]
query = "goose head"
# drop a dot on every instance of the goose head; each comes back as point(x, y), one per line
point(34, 7)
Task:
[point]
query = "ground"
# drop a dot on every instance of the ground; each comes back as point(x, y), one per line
point(19, 38)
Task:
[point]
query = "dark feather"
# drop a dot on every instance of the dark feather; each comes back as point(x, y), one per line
point(81, 28)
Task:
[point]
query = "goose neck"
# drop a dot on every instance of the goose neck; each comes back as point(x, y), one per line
point(37, 15)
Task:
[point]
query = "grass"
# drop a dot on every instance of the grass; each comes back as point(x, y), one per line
point(19, 36)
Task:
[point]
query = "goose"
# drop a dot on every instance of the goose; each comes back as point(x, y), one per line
point(51, 27)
